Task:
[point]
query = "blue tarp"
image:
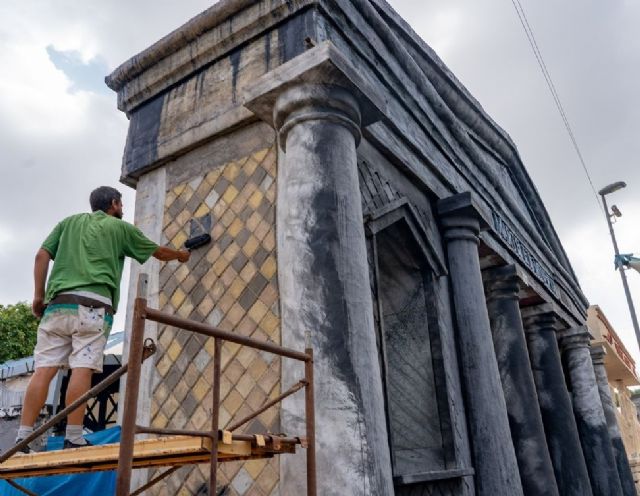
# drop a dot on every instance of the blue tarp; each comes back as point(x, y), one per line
point(88, 484)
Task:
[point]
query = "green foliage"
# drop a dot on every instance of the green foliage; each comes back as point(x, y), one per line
point(18, 329)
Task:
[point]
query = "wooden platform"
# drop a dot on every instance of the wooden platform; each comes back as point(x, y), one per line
point(174, 450)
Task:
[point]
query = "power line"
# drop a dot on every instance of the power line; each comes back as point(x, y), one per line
point(552, 88)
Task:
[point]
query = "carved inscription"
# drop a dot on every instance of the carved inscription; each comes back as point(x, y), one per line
point(522, 252)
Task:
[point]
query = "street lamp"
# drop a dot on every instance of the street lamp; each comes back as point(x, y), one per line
point(616, 213)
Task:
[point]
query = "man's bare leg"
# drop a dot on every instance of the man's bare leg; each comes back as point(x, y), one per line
point(79, 383)
point(36, 394)
point(34, 399)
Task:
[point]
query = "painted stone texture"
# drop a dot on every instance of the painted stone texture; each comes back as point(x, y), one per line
point(231, 283)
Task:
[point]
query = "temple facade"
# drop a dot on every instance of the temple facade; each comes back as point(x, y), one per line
point(356, 193)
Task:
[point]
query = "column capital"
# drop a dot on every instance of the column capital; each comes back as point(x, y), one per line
point(598, 353)
point(574, 337)
point(540, 318)
point(461, 217)
point(319, 84)
point(501, 282)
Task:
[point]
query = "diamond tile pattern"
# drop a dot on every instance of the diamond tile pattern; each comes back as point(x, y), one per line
point(231, 283)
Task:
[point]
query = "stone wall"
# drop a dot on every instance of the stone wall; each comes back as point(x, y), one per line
point(231, 283)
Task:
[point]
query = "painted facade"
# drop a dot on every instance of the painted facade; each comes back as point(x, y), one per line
point(356, 191)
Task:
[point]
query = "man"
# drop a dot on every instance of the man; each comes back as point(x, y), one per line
point(82, 295)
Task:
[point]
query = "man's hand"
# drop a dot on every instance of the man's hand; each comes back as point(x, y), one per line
point(166, 254)
point(37, 307)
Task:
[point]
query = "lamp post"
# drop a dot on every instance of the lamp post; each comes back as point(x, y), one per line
point(616, 213)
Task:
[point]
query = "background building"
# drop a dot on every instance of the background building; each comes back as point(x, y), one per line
point(622, 375)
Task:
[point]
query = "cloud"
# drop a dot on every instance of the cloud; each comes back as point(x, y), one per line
point(61, 134)
point(87, 76)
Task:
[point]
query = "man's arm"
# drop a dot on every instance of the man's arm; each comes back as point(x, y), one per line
point(166, 254)
point(40, 268)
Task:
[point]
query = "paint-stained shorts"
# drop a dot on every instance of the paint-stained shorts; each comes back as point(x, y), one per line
point(72, 336)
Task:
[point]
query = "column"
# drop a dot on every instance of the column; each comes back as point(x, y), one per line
point(316, 104)
point(559, 422)
point(536, 472)
point(494, 458)
point(619, 453)
point(587, 407)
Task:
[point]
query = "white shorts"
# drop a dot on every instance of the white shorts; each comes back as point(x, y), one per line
point(72, 336)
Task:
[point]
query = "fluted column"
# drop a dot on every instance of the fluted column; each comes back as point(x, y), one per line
point(559, 422)
point(316, 105)
point(622, 462)
point(536, 472)
point(494, 458)
point(587, 407)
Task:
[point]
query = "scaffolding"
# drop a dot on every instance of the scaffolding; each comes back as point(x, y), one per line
point(173, 447)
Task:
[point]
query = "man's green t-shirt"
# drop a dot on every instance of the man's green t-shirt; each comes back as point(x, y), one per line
point(88, 252)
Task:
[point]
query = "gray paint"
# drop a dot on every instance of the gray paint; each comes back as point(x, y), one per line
point(619, 453)
point(141, 148)
point(324, 276)
point(149, 215)
point(325, 289)
point(560, 427)
point(527, 431)
point(493, 454)
point(587, 407)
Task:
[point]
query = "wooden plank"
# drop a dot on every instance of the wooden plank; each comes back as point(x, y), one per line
point(163, 451)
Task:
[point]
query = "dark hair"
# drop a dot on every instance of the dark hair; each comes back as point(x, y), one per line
point(102, 197)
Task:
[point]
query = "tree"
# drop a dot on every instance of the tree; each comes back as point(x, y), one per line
point(18, 329)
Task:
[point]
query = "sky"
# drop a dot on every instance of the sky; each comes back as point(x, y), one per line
point(61, 134)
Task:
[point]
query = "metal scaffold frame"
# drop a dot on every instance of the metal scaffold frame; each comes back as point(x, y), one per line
point(139, 350)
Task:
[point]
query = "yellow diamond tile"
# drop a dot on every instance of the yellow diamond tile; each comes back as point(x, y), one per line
point(233, 401)
point(269, 241)
point(206, 305)
point(177, 191)
point(202, 210)
point(250, 246)
point(245, 384)
point(220, 265)
point(181, 273)
point(179, 239)
point(200, 419)
point(160, 420)
point(230, 194)
point(257, 311)
point(248, 272)
point(231, 251)
point(224, 416)
point(253, 221)
point(269, 323)
point(174, 350)
point(259, 156)
point(257, 368)
point(268, 268)
point(185, 309)
point(178, 297)
point(254, 467)
point(235, 314)
point(213, 176)
point(163, 365)
point(183, 218)
point(235, 227)
point(227, 218)
point(231, 171)
point(201, 388)
point(219, 208)
point(256, 199)
point(237, 286)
